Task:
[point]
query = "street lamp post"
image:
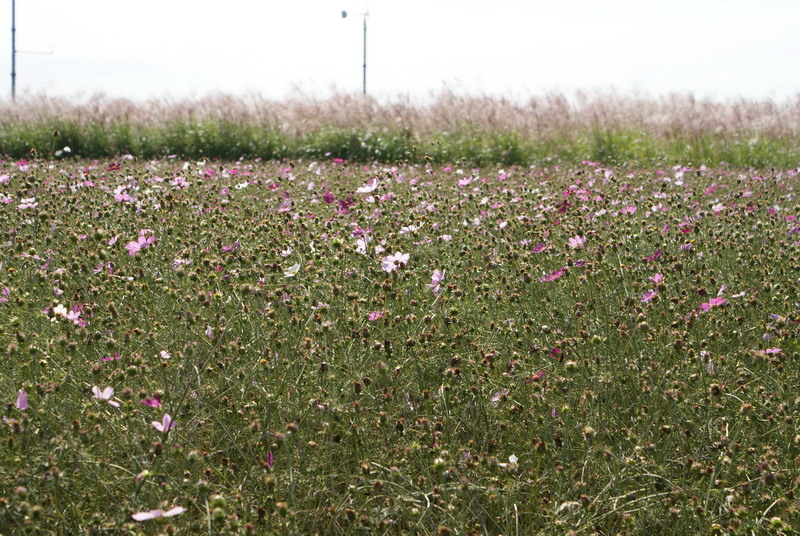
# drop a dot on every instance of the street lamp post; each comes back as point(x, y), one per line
point(364, 63)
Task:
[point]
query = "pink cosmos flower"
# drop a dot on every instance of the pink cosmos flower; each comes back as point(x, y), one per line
point(179, 183)
point(74, 315)
point(499, 396)
point(369, 187)
point(647, 296)
point(436, 280)
point(773, 350)
point(112, 357)
point(713, 302)
point(655, 255)
point(165, 425)
point(177, 263)
point(154, 514)
point(154, 402)
point(539, 247)
point(144, 241)
point(233, 247)
point(22, 400)
point(375, 315)
point(553, 275)
point(577, 242)
point(390, 263)
point(105, 394)
point(657, 278)
point(536, 376)
point(4, 294)
point(27, 203)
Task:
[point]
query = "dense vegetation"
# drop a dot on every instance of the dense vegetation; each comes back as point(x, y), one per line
point(609, 129)
point(196, 347)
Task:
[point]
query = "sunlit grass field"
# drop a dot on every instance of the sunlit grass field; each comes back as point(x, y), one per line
point(318, 346)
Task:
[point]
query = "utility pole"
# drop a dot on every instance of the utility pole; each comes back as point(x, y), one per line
point(364, 75)
point(364, 63)
point(13, 50)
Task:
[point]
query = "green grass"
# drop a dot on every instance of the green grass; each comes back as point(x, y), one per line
point(340, 398)
point(609, 129)
point(230, 141)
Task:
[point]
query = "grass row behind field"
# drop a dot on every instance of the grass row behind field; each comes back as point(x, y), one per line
point(610, 130)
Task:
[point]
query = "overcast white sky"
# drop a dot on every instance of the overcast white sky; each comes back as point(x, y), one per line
point(518, 48)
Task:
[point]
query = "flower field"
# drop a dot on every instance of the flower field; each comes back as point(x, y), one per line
point(322, 346)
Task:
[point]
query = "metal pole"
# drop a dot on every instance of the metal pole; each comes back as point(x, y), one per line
point(13, 51)
point(364, 84)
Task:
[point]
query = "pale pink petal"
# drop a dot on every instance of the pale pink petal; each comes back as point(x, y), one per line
point(22, 400)
point(177, 510)
point(145, 516)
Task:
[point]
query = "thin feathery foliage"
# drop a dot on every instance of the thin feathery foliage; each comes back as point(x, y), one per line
point(326, 347)
point(609, 128)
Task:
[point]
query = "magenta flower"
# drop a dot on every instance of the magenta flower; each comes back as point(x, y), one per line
point(233, 247)
point(436, 280)
point(112, 357)
point(22, 400)
point(655, 255)
point(375, 315)
point(657, 278)
point(390, 263)
point(105, 395)
point(773, 351)
point(553, 275)
point(154, 514)
point(539, 247)
point(165, 425)
point(154, 402)
point(536, 376)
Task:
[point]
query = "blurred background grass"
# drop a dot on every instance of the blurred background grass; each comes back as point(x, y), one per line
point(608, 128)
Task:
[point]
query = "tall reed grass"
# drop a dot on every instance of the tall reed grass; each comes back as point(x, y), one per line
point(609, 128)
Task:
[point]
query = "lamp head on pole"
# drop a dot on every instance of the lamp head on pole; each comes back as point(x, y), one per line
point(344, 14)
